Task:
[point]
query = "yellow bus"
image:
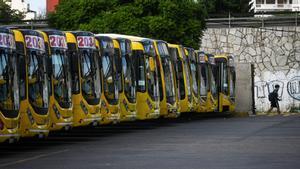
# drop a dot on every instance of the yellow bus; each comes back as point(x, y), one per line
point(9, 86)
point(110, 80)
point(126, 72)
point(206, 102)
point(166, 80)
point(86, 87)
point(144, 61)
point(213, 94)
point(60, 106)
point(169, 102)
point(147, 81)
point(183, 78)
point(191, 58)
point(226, 83)
point(34, 82)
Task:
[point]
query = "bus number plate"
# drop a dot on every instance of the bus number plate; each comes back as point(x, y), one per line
point(7, 41)
point(86, 42)
point(34, 42)
point(58, 41)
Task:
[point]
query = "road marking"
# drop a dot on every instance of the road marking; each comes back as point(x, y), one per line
point(32, 158)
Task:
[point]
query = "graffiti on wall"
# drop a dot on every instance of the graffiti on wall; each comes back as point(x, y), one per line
point(263, 88)
point(293, 87)
point(260, 89)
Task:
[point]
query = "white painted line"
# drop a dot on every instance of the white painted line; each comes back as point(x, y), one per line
point(32, 158)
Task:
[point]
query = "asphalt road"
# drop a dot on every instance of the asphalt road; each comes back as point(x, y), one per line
point(260, 142)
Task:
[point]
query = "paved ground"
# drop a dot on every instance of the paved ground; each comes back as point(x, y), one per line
point(209, 143)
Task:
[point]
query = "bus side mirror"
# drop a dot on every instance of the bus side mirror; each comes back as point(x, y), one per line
point(151, 63)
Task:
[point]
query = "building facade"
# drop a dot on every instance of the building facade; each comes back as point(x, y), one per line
point(51, 4)
point(22, 6)
point(274, 5)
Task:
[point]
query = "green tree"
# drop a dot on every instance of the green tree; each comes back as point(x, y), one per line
point(9, 15)
point(176, 21)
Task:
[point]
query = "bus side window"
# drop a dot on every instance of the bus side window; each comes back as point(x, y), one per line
point(74, 67)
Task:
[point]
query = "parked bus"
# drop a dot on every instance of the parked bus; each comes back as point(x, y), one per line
point(191, 58)
point(213, 94)
point(183, 77)
point(127, 81)
point(86, 86)
point(34, 82)
point(166, 81)
point(60, 107)
point(205, 99)
point(226, 82)
point(147, 82)
point(110, 80)
point(144, 60)
point(169, 102)
point(9, 86)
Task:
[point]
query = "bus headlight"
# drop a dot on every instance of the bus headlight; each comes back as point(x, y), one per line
point(56, 111)
point(30, 117)
point(83, 107)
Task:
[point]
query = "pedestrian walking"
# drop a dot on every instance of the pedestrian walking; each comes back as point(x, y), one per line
point(273, 98)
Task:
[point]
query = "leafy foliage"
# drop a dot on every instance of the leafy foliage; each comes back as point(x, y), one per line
point(176, 21)
point(7, 14)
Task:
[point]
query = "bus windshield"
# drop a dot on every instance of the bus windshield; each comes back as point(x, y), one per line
point(194, 74)
point(168, 72)
point(90, 76)
point(109, 80)
point(179, 75)
point(9, 86)
point(152, 75)
point(225, 78)
point(118, 74)
point(38, 81)
point(61, 78)
point(152, 80)
point(213, 80)
point(187, 72)
point(129, 77)
point(203, 79)
point(232, 81)
point(139, 63)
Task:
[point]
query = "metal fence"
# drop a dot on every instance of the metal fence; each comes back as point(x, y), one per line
point(29, 24)
point(253, 22)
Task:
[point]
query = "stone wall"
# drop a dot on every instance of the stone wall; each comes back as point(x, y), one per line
point(275, 52)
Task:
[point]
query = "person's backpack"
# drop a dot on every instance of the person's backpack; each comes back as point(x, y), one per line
point(271, 96)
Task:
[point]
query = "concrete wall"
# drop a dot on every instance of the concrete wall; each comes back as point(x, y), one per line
point(243, 87)
point(275, 53)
